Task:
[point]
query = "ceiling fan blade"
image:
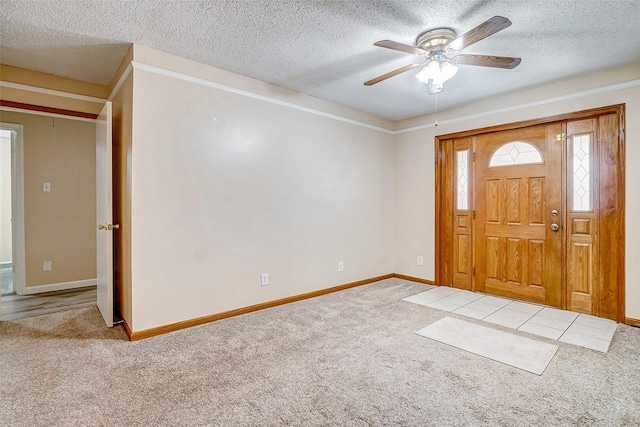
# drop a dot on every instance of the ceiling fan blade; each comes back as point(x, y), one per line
point(487, 61)
point(391, 74)
point(390, 44)
point(482, 31)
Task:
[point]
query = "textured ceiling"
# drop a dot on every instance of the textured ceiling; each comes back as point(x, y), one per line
point(324, 48)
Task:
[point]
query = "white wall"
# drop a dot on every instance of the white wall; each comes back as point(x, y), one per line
point(226, 187)
point(415, 176)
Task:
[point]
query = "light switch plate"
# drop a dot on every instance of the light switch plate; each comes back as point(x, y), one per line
point(46, 187)
point(46, 266)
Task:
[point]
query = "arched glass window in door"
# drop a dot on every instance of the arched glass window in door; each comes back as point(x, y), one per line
point(515, 153)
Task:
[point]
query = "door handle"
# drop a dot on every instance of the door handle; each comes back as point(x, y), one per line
point(554, 227)
point(108, 226)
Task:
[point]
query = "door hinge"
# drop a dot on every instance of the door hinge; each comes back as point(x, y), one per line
point(473, 158)
point(473, 271)
point(561, 136)
point(474, 214)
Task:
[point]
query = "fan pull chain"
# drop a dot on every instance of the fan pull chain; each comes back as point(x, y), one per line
point(436, 123)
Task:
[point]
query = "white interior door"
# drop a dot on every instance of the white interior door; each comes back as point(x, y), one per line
point(104, 214)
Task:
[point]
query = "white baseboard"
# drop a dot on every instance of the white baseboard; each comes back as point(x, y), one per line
point(28, 290)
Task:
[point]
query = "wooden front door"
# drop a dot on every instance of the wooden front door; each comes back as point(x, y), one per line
point(535, 211)
point(518, 245)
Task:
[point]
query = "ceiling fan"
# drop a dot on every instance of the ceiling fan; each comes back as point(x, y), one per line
point(436, 44)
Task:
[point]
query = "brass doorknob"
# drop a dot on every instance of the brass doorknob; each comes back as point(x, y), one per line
point(108, 226)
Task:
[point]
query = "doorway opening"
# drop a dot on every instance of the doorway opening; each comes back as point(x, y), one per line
point(535, 211)
point(6, 234)
point(56, 150)
point(11, 209)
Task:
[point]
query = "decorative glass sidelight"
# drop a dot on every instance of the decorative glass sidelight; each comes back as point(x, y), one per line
point(515, 153)
point(462, 168)
point(582, 174)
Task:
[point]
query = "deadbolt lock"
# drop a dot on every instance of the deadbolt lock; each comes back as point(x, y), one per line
point(554, 212)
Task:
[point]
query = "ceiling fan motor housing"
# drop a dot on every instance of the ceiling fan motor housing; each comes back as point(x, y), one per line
point(435, 41)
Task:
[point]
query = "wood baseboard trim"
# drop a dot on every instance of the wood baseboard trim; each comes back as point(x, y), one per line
point(148, 333)
point(631, 321)
point(52, 287)
point(414, 279)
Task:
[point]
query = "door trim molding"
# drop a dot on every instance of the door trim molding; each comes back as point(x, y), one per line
point(441, 237)
point(576, 115)
point(21, 106)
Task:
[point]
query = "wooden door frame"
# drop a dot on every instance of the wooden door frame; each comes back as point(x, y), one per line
point(444, 196)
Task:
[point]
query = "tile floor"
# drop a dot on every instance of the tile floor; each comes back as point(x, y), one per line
point(566, 326)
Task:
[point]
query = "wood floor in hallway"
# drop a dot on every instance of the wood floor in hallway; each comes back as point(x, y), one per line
point(18, 306)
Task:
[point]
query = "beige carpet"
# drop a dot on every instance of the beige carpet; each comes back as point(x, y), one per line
point(346, 359)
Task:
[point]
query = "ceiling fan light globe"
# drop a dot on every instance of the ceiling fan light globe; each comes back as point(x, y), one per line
point(430, 72)
point(447, 70)
point(437, 72)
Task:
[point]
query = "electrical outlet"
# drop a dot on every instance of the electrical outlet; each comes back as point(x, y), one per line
point(341, 266)
point(420, 260)
point(46, 266)
point(265, 279)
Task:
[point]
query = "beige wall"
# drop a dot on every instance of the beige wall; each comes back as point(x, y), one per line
point(35, 79)
point(5, 200)
point(219, 187)
point(226, 187)
point(59, 225)
point(414, 165)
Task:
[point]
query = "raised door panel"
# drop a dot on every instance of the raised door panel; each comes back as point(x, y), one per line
point(536, 200)
point(462, 264)
point(514, 201)
point(535, 262)
point(514, 258)
point(579, 275)
point(493, 258)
